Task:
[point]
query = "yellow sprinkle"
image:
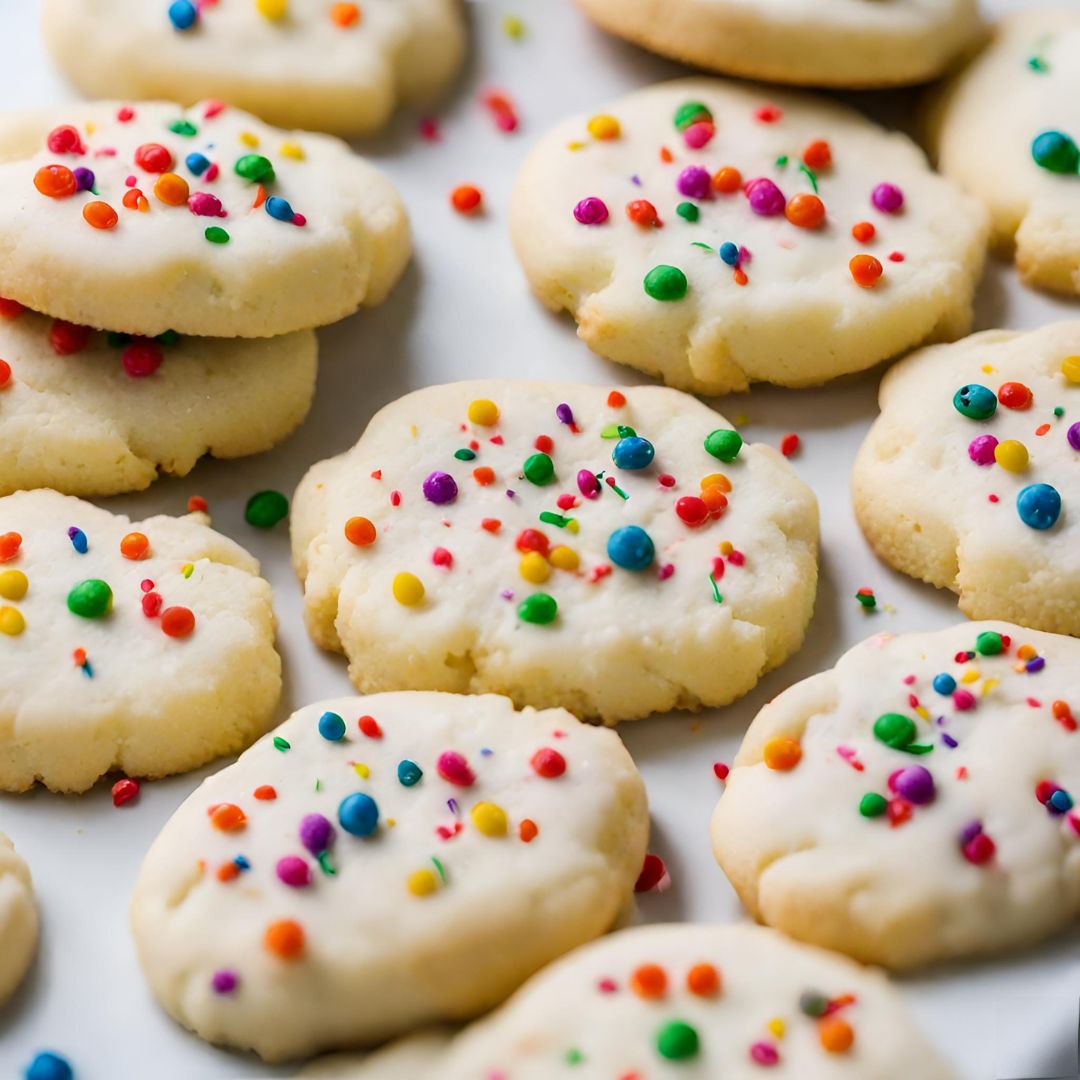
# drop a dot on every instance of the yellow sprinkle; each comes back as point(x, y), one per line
point(361, 770)
point(249, 139)
point(489, 818)
point(988, 368)
point(577, 144)
point(604, 127)
point(422, 882)
point(534, 567)
point(391, 822)
point(573, 526)
point(1027, 652)
point(513, 27)
point(12, 622)
point(483, 412)
point(413, 430)
point(272, 9)
point(776, 1026)
point(1011, 455)
point(293, 150)
point(970, 676)
point(1070, 368)
point(922, 712)
point(990, 684)
point(188, 570)
point(408, 589)
point(91, 128)
point(13, 584)
point(565, 558)
point(716, 479)
point(726, 547)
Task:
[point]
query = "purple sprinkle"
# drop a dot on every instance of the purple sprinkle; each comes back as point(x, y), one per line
point(636, 181)
point(591, 211)
point(982, 448)
point(914, 783)
point(293, 871)
point(1074, 436)
point(744, 254)
point(970, 831)
point(694, 182)
point(507, 594)
point(440, 488)
point(225, 982)
point(84, 178)
point(564, 413)
point(509, 493)
point(486, 751)
point(888, 198)
point(452, 804)
point(765, 197)
point(949, 741)
point(316, 833)
point(1036, 664)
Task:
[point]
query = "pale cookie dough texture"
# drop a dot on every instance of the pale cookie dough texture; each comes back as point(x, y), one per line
point(410, 1058)
point(1007, 130)
point(150, 218)
point(843, 43)
point(18, 919)
point(680, 228)
point(304, 63)
point(376, 864)
point(675, 1001)
point(970, 478)
point(145, 647)
point(87, 414)
point(561, 544)
point(914, 803)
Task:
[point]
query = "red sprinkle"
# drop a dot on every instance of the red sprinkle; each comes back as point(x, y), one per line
point(370, 727)
point(548, 763)
point(652, 873)
point(177, 622)
point(67, 338)
point(789, 444)
point(123, 791)
point(720, 770)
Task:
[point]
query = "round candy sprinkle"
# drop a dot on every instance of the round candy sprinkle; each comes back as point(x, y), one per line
point(84, 178)
point(539, 469)
point(872, 805)
point(540, 608)
point(703, 980)
point(694, 182)
point(534, 567)
point(729, 253)
point(700, 134)
point(182, 14)
point(272, 9)
point(124, 791)
point(691, 112)
point(13, 584)
point(666, 283)
point(688, 211)
point(835, 1035)
point(865, 271)
point(49, 1066)
point(91, 599)
point(692, 511)
point(141, 359)
point(888, 198)
point(782, 754)
point(55, 181)
point(285, 939)
point(467, 199)
point(454, 769)
point(895, 730)
point(224, 982)
point(293, 871)
point(216, 235)
point(724, 444)
point(548, 763)
point(360, 531)
point(331, 727)
point(727, 180)
point(1070, 368)
point(409, 773)
point(914, 783)
point(604, 127)
point(489, 819)
point(1015, 395)
point(408, 589)
point(975, 402)
point(813, 1003)
point(587, 484)
point(1039, 506)
point(278, 208)
point(631, 547)
point(265, 509)
point(989, 643)
point(766, 199)
point(677, 1041)
point(358, 814)
point(483, 412)
point(177, 622)
point(100, 215)
point(805, 211)
point(982, 449)
point(633, 453)
point(642, 212)
point(316, 833)
point(944, 684)
point(1073, 435)
point(78, 540)
point(1011, 455)
point(591, 211)
point(12, 622)
point(254, 167)
point(440, 488)
point(1055, 152)
point(153, 158)
point(422, 882)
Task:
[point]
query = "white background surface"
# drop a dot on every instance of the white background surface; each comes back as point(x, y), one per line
point(463, 311)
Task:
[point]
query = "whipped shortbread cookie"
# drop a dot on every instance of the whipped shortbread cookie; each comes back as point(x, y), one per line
point(18, 919)
point(377, 864)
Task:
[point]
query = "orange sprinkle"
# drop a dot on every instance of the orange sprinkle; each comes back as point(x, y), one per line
point(345, 15)
point(782, 753)
point(528, 831)
point(56, 181)
point(266, 793)
point(177, 621)
point(703, 980)
point(135, 546)
point(863, 231)
point(727, 180)
point(9, 546)
point(79, 656)
point(818, 155)
point(360, 531)
point(866, 271)
point(484, 476)
point(835, 1034)
point(649, 981)
point(172, 189)
point(740, 277)
point(260, 197)
point(467, 199)
point(228, 817)
point(1027, 652)
point(227, 871)
point(5, 373)
point(616, 399)
point(132, 198)
point(1042, 429)
point(714, 499)
point(285, 939)
point(805, 210)
point(197, 504)
point(716, 479)
point(100, 214)
point(491, 525)
point(666, 156)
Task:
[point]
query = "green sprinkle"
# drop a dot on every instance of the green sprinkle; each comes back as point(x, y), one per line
point(1055, 152)
point(549, 517)
point(715, 590)
point(539, 469)
point(265, 509)
point(677, 1041)
point(809, 174)
point(439, 867)
point(1059, 412)
point(724, 444)
point(610, 432)
point(618, 490)
point(574, 1056)
point(691, 112)
point(898, 732)
point(183, 127)
point(540, 609)
point(870, 805)
point(624, 431)
point(781, 161)
point(91, 599)
point(700, 244)
point(254, 167)
point(989, 643)
point(325, 864)
point(666, 283)
point(814, 1002)
point(216, 235)
point(688, 211)
point(867, 598)
point(169, 337)
point(465, 454)
point(281, 744)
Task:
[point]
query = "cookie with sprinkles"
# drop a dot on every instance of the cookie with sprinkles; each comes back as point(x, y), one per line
point(716, 235)
point(914, 803)
point(145, 647)
point(616, 552)
point(89, 413)
point(970, 478)
point(1007, 129)
point(18, 919)
point(409, 1058)
point(338, 67)
point(703, 1001)
point(380, 863)
point(151, 218)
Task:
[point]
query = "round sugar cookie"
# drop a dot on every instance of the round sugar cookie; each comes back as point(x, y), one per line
point(298, 63)
point(716, 234)
point(380, 863)
point(18, 919)
point(970, 478)
point(87, 413)
point(145, 647)
point(703, 1002)
point(915, 802)
point(150, 218)
point(615, 552)
point(410, 1058)
point(842, 43)
point(1007, 129)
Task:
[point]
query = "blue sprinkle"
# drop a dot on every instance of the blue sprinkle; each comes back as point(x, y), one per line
point(242, 862)
point(331, 727)
point(182, 14)
point(1039, 506)
point(486, 751)
point(279, 208)
point(78, 540)
point(358, 814)
point(633, 453)
point(409, 773)
point(944, 684)
point(1059, 802)
point(729, 252)
point(631, 547)
point(197, 163)
point(49, 1066)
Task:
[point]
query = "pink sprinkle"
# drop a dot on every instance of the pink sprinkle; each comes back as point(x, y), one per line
point(964, 700)
point(125, 114)
point(429, 129)
point(213, 108)
point(666, 571)
point(993, 498)
point(442, 557)
point(666, 480)
point(699, 134)
point(737, 558)
point(720, 770)
point(607, 986)
point(909, 679)
point(130, 181)
point(566, 502)
point(203, 204)
point(1034, 703)
point(294, 871)
point(299, 220)
point(454, 769)
point(496, 439)
point(768, 114)
point(764, 1054)
point(896, 256)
